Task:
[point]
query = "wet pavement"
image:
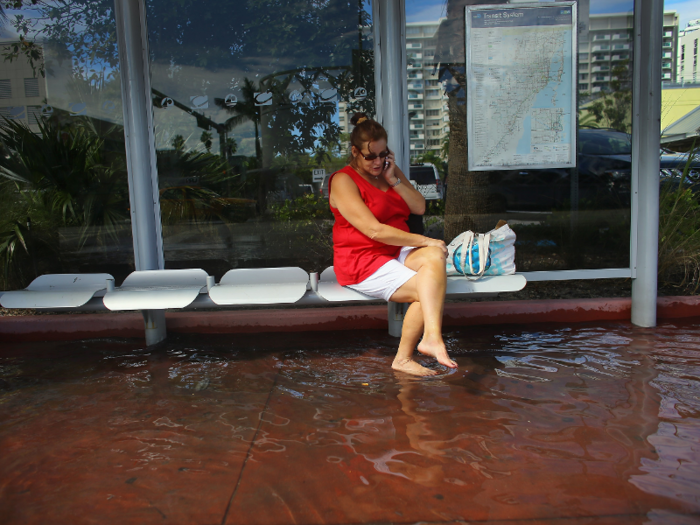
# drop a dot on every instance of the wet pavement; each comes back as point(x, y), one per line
point(580, 424)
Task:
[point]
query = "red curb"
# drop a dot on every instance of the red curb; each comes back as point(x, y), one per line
point(538, 311)
point(677, 307)
point(70, 327)
point(297, 320)
point(65, 327)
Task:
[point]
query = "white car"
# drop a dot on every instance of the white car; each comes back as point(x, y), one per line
point(426, 179)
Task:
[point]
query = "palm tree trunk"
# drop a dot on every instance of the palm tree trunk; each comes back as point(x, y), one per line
point(466, 204)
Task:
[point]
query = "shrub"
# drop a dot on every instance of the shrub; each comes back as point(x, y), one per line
point(679, 233)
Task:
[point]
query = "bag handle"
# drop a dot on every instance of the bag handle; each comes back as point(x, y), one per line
point(484, 240)
point(466, 247)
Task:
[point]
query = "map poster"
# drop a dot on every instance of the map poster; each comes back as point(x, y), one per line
point(521, 86)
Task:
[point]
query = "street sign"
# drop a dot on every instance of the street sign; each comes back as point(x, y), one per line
point(318, 175)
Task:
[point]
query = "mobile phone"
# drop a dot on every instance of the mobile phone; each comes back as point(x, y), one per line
point(386, 164)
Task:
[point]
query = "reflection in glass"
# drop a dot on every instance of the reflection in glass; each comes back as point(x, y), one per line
point(565, 218)
point(65, 201)
point(257, 98)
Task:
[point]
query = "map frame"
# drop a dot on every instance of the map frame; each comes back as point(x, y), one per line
point(473, 84)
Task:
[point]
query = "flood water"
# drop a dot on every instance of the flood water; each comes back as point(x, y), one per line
point(589, 423)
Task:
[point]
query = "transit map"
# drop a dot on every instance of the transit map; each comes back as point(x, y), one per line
point(521, 86)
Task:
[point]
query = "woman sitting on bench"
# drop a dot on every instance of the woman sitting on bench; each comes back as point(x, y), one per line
point(373, 251)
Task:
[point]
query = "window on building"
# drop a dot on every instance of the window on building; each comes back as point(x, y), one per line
point(31, 87)
point(33, 115)
point(5, 88)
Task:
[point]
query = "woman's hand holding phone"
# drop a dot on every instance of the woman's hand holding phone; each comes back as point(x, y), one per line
point(388, 170)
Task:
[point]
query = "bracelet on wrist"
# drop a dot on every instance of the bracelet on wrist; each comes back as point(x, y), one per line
point(398, 181)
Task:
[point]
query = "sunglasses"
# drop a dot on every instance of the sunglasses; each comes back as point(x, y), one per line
point(373, 156)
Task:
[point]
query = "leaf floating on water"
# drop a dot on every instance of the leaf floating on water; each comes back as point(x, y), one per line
point(201, 385)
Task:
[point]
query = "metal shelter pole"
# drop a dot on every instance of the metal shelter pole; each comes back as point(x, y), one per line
point(391, 88)
point(646, 135)
point(132, 41)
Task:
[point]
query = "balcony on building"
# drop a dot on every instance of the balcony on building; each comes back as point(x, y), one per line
point(415, 105)
point(418, 116)
point(417, 136)
point(621, 47)
point(619, 57)
point(417, 146)
point(621, 36)
point(667, 45)
point(668, 34)
point(602, 47)
point(601, 58)
point(666, 76)
point(597, 69)
point(415, 96)
point(415, 56)
point(415, 126)
point(414, 45)
point(604, 36)
point(414, 65)
point(416, 75)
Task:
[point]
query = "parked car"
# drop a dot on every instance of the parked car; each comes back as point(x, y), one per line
point(604, 176)
point(426, 179)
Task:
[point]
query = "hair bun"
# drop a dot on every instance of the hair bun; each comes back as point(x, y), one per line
point(358, 118)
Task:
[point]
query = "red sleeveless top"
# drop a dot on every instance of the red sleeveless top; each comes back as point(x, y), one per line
point(356, 256)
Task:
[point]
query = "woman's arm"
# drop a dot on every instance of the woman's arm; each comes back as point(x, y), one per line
point(347, 199)
point(410, 195)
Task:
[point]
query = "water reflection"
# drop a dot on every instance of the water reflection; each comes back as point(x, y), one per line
point(566, 421)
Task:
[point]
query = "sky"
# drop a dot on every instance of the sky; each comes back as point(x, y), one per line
point(432, 10)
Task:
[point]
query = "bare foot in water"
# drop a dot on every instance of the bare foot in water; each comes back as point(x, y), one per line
point(437, 350)
point(409, 366)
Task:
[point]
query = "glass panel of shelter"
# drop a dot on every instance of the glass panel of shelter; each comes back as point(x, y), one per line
point(565, 218)
point(251, 103)
point(64, 200)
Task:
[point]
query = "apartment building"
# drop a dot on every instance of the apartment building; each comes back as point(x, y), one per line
point(609, 45)
point(22, 91)
point(688, 53)
point(427, 102)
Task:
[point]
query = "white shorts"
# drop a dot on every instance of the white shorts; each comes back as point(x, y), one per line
point(391, 276)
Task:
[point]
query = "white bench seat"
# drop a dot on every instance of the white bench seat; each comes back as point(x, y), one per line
point(157, 290)
point(68, 290)
point(260, 286)
point(330, 290)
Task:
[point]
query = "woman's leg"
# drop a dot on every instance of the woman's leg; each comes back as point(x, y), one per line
point(428, 289)
point(410, 336)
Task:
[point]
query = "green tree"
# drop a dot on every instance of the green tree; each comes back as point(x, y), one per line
point(205, 139)
point(614, 108)
point(467, 200)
